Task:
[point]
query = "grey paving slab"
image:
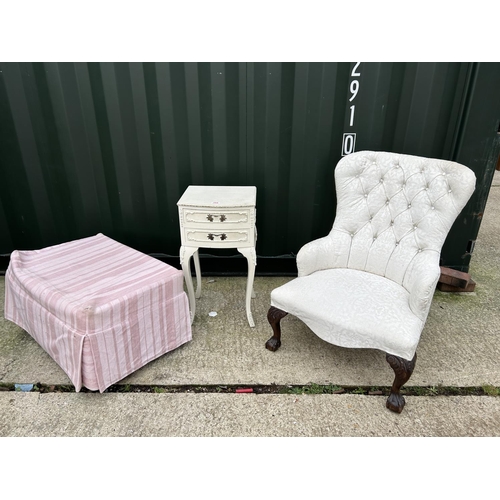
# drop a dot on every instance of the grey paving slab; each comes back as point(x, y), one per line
point(243, 415)
point(460, 345)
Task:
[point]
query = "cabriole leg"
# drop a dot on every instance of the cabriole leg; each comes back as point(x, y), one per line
point(403, 370)
point(196, 258)
point(250, 255)
point(185, 254)
point(274, 316)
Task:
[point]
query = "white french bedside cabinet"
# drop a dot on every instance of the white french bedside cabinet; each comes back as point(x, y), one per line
point(217, 217)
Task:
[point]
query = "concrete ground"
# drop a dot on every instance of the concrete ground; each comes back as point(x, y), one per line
point(459, 348)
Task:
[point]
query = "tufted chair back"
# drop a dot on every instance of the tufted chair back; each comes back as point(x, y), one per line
point(394, 212)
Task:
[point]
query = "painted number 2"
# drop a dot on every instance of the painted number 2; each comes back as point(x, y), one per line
point(349, 139)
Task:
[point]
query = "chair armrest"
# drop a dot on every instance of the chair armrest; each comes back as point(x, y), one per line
point(421, 283)
point(324, 253)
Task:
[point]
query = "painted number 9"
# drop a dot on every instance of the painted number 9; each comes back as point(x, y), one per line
point(354, 89)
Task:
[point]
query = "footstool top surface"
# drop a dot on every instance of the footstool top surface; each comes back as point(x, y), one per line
point(89, 273)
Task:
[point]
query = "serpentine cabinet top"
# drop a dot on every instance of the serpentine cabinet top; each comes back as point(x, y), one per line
point(219, 196)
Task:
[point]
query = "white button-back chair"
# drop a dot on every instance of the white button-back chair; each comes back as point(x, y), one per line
point(370, 282)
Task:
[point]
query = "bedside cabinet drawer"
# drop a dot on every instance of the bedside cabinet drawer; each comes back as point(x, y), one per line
point(195, 218)
point(219, 237)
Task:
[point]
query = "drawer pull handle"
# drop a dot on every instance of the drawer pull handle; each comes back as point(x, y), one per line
point(222, 236)
point(222, 217)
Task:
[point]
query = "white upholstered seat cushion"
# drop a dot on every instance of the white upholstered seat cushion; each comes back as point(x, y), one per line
point(353, 308)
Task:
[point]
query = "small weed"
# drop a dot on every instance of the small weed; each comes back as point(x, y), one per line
point(491, 390)
point(420, 391)
point(358, 390)
point(292, 390)
point(322, 389)
point(158, 390)
point(313, 389)
point(432, 391)
point(332, 389)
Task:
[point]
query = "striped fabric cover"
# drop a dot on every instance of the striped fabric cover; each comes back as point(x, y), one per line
point(100, 309)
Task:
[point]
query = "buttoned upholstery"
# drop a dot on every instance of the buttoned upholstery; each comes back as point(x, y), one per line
point(370, 281)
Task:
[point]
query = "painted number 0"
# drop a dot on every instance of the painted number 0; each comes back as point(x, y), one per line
point(348, 144)
point(349, 139)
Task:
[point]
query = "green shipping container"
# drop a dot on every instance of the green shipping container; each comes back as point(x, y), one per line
point(111, 147)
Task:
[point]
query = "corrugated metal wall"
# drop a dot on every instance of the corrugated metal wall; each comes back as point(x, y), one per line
point(110, 147)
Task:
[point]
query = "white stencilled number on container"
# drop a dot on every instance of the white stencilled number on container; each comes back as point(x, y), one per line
point(349, 139)
point(348, 144)
point(354, 89)
point(351, 121)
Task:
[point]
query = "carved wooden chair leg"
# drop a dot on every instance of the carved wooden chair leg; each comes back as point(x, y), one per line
point(274, 316)
point(403, 370)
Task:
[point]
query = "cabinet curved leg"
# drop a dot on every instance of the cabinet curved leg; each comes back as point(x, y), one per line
point(249, 253)
point(185, 255)
point(196, 258)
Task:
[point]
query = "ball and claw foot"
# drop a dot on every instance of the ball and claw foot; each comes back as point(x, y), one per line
point(273, 344)
point(274, 316)
point(395, 402)
point(403, 370)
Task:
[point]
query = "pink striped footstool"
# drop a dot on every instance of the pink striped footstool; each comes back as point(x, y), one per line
point(100, 309)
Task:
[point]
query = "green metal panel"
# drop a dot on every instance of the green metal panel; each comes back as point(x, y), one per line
point(110, 147)
point(478, 146)
point(293, 112)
